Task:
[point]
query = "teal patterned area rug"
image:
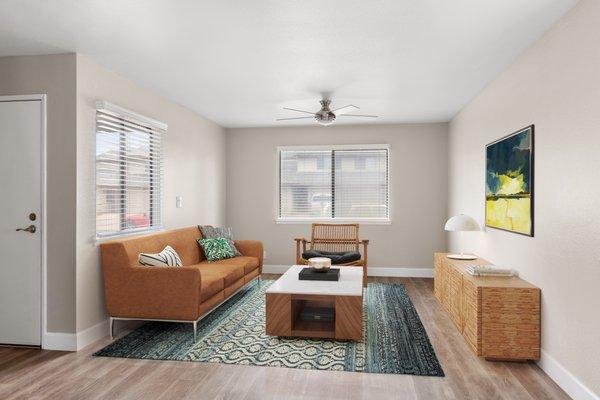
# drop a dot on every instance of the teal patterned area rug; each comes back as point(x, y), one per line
point(395, 340)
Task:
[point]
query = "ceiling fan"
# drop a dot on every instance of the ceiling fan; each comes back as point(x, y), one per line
point(326, 116)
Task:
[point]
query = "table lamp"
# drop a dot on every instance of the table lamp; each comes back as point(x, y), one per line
point(461, 223)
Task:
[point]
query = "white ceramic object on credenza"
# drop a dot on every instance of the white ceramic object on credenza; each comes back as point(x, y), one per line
point(461, 223)
point(319, 263)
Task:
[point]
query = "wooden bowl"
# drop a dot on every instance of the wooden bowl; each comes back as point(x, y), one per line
point(320, 264)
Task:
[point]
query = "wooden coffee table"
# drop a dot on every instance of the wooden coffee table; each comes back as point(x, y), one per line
point(288, 296)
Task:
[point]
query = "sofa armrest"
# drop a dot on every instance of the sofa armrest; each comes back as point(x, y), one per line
point(155, 292)
point(251, 248)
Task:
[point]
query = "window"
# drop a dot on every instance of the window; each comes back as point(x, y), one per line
point(334, 183)
point(128, 171)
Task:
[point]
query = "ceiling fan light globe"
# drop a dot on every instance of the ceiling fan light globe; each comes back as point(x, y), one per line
point(324, 123)
point(324, 117)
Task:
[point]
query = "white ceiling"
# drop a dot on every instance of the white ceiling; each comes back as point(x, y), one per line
point(239, 62)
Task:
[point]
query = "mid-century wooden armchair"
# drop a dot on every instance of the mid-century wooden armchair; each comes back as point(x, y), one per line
point(334, 237)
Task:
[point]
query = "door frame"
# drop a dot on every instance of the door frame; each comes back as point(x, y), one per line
point(42, 220)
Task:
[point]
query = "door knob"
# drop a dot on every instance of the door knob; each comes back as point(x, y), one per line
point(30, 229)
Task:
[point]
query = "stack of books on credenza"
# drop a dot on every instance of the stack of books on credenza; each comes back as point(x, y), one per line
point(490, 270)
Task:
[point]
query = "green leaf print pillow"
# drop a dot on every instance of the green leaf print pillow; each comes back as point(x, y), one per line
point(216, 249)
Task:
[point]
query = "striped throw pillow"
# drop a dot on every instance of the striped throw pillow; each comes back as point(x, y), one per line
point(166, 258)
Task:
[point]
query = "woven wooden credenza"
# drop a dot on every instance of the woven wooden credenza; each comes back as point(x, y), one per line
point(499, 317)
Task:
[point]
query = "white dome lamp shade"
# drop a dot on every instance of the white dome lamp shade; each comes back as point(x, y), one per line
point(461, 223)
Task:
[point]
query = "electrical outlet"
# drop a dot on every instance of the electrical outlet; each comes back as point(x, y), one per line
point(178, 201)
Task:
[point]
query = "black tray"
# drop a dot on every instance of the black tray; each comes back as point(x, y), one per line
point(308, 274)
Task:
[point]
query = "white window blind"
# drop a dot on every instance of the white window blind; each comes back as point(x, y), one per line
point(129, 172)
point(334, 183)
point(305, 184)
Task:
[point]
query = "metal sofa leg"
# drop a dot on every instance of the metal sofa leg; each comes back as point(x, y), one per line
point(195, 323)
point(112, 325)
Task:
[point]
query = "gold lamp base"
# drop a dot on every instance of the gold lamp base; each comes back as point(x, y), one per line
point(462, 256)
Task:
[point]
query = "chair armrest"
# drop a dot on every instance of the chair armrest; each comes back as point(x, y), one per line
point(251, 248)
point(156, 292)
point(365, 243)
point(300, 248)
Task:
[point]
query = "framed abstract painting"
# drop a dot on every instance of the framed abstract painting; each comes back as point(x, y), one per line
point(509, 182)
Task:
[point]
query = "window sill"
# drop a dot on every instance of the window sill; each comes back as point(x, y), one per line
point(107, 238)
point(363, 221)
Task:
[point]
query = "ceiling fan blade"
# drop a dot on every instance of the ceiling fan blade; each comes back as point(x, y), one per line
point(286, 119)
point(345, 109)
point(302, 111)
point(357, 115)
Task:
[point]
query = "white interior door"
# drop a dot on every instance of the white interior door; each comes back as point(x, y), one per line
point(20, 202)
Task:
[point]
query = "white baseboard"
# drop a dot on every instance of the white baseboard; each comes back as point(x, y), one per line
point(565, 379)
point(92, 334)
point(75, 341)
point(402, 272)
point(59, 341)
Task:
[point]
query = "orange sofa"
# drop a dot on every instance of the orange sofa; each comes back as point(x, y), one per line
point(177, 294)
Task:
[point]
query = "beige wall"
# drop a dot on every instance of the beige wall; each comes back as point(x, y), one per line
point(194, 158)
point(194, 168)
point(418, 159)
point(556, 86)
point(54, 75)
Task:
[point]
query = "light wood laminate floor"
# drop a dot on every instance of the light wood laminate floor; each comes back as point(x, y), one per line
point(39, 374)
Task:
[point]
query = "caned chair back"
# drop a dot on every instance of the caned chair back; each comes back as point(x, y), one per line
point(334, 237)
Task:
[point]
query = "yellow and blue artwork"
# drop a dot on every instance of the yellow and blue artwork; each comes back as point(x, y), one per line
point(509, 183)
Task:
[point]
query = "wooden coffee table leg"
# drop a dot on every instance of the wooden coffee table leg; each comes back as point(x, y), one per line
point(349, 317)
point(278, 314)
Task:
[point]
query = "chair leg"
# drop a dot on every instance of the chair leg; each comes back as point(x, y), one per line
point(195, 323)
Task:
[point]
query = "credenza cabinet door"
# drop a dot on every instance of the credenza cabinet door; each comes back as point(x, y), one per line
point(472, 315)
point(455, 297)
point(510, 323)
point(439, 281)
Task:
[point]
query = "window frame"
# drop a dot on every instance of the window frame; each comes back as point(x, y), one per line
point(154, 168)
point(303, 220)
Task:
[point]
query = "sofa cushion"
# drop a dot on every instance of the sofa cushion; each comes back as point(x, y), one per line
point(248, 263)
point(250, 276)
point(251, 263)
point(228, 272)
point(211, 302)
point(211, 282)
point(235, 286)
